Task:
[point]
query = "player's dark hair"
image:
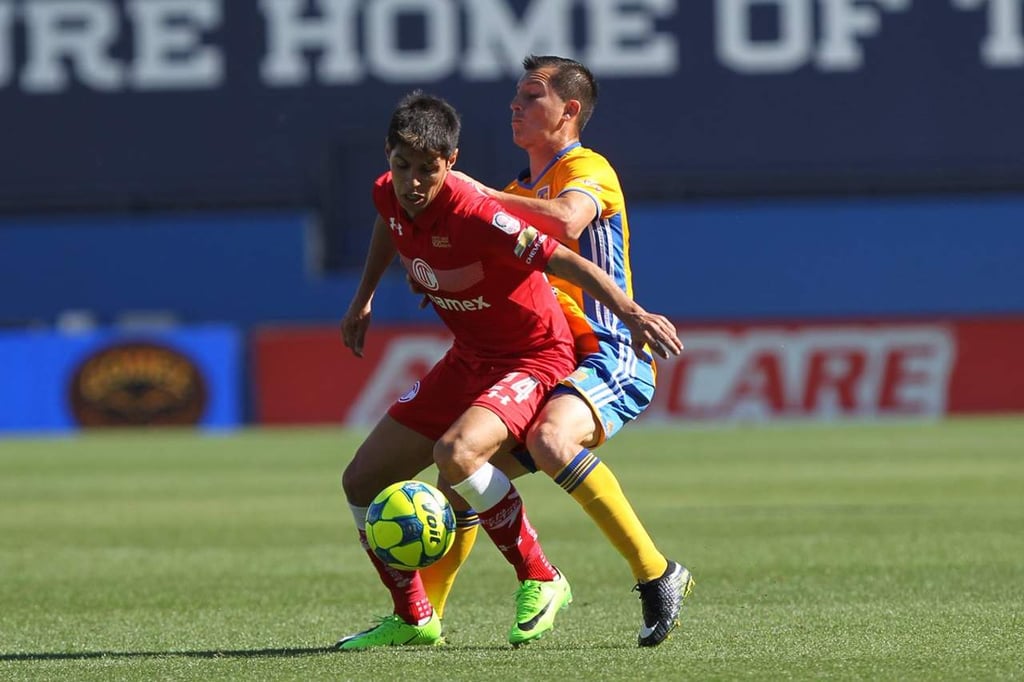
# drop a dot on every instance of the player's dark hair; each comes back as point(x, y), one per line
point(425, 123)
point(570, 80)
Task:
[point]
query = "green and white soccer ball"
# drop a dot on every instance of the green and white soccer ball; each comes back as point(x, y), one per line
point(410, 525)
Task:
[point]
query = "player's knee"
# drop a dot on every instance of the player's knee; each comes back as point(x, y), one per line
point(445, 457)
point(455, 459)
point(349, 482)
point(444, 451)
point(540, 438)
point(357, 481)
point(549, 447)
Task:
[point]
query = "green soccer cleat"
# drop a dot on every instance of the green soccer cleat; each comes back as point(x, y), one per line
point(537, 603)
point(393, 631)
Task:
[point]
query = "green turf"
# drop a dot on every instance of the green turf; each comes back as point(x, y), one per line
point(859, 552)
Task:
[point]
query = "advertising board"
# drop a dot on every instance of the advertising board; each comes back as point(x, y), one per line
point(55, 381)
point(727, 373)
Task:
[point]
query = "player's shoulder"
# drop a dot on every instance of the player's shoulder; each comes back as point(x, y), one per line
point(585, 163)
point(382, 190)
point(586, 156)
point(469, 207)
point(587, 170)
point(466, 200)
point(383, 180)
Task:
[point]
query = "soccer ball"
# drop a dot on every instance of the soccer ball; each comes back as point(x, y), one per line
point(410, 525)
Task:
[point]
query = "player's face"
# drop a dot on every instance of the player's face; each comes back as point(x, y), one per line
point(418, 176)
point(538, 113)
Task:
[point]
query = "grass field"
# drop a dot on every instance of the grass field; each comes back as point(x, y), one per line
point(859, 552)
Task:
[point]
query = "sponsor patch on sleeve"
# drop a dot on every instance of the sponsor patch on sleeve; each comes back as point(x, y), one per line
point(505, 223)
point(526, 239)
point(535, 247)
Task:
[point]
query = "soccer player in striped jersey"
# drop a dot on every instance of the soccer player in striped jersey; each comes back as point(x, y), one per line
point(572, 193)
point(481, 268)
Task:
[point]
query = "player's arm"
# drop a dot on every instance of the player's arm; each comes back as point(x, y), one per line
point(379, 256)
point(563, 217)
point(646, 328)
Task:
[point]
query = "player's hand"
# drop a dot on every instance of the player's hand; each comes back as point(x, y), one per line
point(656, 332)
point(417, 289)
point(353, 328)
point(480, 187)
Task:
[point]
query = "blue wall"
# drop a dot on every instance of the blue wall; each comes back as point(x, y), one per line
point(956, 256)
point(832, 258)
point(241, 267)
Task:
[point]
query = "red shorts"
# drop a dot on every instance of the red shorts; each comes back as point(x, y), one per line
point(513, 391)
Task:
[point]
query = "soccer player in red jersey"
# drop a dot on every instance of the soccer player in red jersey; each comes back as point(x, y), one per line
point(573, 194)
point(482, 269)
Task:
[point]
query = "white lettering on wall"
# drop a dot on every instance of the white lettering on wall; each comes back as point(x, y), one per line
point(497, 41)
point(169, 51)
point(390, 62)
point(150, 45)
point(740, 52)
point(843, 25)
point(619, 39)
point(290, 35)
point(6, 46)
point(63, 35)
point(623, 40)
point(1003, 45)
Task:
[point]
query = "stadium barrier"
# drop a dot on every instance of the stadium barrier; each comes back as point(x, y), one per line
point(58, 381)
point(743, 372)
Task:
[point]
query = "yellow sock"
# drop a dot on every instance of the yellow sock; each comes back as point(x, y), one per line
point(595, 488)
point(439, 577)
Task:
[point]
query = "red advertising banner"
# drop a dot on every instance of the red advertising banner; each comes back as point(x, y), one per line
point(305, 375)
point(749, 372)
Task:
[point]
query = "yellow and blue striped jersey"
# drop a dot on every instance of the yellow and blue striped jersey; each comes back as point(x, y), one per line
point(604, 242)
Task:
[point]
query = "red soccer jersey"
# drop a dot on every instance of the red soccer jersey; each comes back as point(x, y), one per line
point(482, 269)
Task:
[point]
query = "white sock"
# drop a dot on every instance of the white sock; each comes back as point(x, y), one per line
point(484, 488)
point(359, 514)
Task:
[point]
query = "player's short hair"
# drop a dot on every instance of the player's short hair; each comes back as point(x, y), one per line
point(570, 80)
point(425, 123)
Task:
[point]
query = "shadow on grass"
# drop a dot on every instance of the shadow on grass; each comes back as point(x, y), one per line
point(270, 653)
point(240, 653)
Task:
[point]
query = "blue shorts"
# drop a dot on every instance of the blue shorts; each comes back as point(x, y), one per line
point(616, 384)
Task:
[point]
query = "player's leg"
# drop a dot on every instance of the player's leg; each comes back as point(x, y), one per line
point(591, 406)
point(554, 441)
point(462, 455)
point(392, 452)
point(400, 447)
point(439, 577)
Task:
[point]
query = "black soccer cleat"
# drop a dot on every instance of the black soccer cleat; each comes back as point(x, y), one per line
point(662, 599)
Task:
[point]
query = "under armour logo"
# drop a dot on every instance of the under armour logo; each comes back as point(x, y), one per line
point(395, 226)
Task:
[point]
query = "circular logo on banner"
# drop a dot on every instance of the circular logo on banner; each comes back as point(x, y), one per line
point(424, 274)
point(136, 384)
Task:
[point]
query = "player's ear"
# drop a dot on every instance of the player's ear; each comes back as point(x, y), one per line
point(572, 109)
point(453, 157)
point(387, 152)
